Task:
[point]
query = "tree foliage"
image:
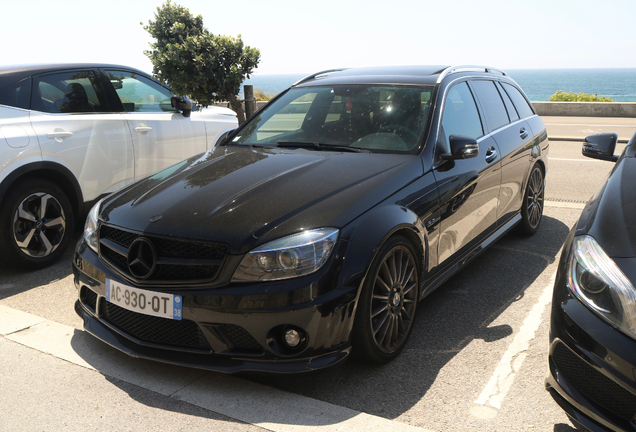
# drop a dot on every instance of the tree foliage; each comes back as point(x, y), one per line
point(560, 96)
point(196, 63)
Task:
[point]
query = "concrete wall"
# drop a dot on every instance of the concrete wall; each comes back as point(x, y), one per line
point(586, 109)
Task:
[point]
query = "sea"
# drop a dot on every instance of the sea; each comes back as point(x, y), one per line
point(539, 84)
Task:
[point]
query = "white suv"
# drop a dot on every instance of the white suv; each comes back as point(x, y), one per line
point(70, 134)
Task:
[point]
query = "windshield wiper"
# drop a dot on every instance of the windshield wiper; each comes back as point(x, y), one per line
point(319, 147)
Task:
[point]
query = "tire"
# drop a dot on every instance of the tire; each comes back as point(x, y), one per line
point(533, 202)
point(387, 304)
point(33, 236)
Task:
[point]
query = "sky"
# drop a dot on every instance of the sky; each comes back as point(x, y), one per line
point(303, 37)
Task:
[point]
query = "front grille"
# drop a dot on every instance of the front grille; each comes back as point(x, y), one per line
point(240, 338)
point(593, 384)
point(178, 260)
point(172, 333)
point(185, 272)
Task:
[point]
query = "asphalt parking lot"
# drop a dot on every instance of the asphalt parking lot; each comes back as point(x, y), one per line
point(475, 362)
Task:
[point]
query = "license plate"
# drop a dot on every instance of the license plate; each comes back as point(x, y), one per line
point(144, 301)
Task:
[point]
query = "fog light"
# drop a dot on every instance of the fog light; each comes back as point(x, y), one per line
point(292, 338)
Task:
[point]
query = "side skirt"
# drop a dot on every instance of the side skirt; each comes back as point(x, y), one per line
point(438, 279)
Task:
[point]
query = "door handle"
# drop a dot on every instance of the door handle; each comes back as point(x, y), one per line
point(59, 135)
point(491, 154)
point(142, 129)
point(522, 133)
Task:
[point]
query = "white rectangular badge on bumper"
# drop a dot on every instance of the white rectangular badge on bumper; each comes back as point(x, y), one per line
point(144, 301)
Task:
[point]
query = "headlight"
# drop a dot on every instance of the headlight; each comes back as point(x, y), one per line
point(90, 227)
point(596, 280)
point(296, 255)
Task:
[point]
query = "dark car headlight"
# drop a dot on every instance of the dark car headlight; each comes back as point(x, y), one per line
point(596, 280)
point(90, 227)
point(288, 257)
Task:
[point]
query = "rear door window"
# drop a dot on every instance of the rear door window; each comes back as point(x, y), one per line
point(67, 92)
point(512, 112)
point(491, 102)
point(522, 105)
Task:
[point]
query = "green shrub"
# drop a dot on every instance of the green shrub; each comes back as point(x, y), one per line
point(560, 96)
point(260, 95)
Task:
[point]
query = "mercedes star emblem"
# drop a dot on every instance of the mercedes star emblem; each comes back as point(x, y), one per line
point(142, 258)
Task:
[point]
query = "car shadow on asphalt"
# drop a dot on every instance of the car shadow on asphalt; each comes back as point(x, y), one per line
point(462, 310)
point(564, 428)
point(457, 313)
point(17, 280)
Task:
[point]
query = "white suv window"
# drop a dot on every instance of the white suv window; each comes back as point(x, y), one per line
point(139, 94)
point(67, 92)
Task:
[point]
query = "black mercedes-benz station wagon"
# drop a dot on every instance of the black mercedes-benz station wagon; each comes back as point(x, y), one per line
point(593, 322)
point(314, 229)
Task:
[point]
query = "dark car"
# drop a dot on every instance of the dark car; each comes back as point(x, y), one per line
point(593, 321)
point(316, 226)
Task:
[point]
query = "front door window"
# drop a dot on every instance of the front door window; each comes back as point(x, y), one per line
point(139, 94)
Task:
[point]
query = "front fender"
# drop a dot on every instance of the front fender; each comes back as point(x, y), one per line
point(373, 228)
point(413, 212)
point(378, 224)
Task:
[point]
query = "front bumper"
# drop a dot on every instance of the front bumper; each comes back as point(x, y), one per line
point(592, 366)
point(225, 329)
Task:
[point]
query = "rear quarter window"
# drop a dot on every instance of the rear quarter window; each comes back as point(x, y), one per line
point(17, 95)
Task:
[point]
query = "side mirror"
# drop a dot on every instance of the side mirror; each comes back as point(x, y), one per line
point(181, 104)
point(462, 147)
point(601, 146)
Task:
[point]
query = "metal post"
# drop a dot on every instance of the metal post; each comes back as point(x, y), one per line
point(250, 100)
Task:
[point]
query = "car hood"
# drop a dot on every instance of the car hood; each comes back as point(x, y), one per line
point(609, 216)
point(248, 196)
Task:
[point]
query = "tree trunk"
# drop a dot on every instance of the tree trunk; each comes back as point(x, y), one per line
point(237, 106)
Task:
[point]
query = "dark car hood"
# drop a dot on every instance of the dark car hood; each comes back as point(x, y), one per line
point(610, 217)
point(247, 196)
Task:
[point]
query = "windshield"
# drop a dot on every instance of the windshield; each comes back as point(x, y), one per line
point(376, 118)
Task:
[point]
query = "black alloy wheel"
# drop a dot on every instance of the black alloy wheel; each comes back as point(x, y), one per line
point(387, 304)
point(533, 202)
point(36, 223)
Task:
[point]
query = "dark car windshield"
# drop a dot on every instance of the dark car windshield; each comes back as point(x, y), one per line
point(376, 118)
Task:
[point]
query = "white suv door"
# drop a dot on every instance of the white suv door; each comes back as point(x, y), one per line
point(71, 118)
point(162, 136)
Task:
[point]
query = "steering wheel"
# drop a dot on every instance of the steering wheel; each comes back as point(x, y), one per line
point(402, 131)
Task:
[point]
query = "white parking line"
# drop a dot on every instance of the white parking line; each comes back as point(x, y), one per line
point(512, 360)
point(563, 204)
point(262, 406)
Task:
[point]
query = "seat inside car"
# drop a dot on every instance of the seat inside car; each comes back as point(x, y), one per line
point(75, 100)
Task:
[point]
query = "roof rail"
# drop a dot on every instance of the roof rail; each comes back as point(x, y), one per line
point(317, 74)
point(463, 68)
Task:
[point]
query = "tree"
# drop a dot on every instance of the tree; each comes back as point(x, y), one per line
point(196, 63)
